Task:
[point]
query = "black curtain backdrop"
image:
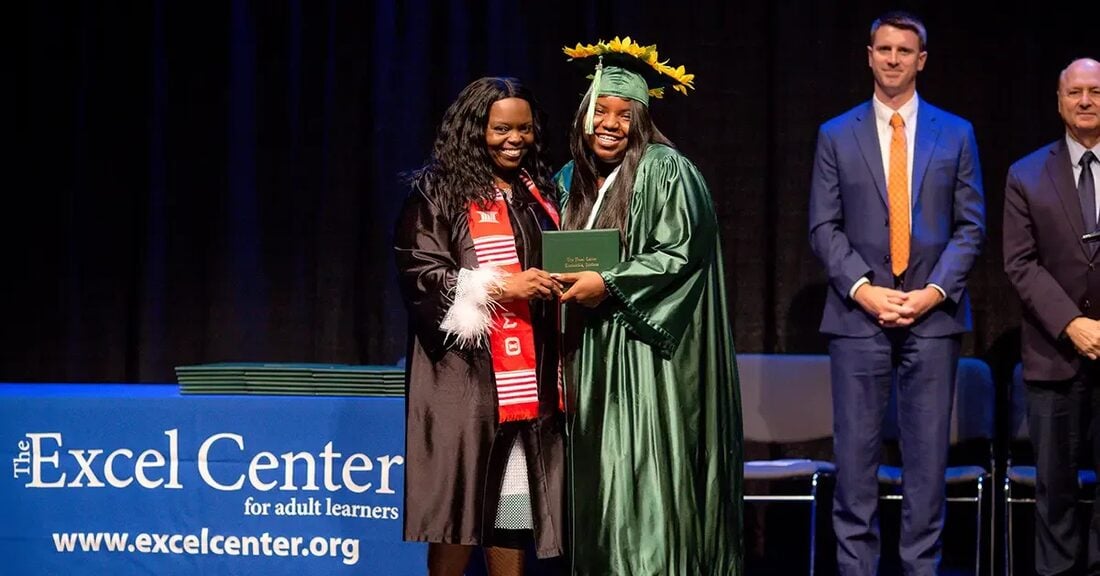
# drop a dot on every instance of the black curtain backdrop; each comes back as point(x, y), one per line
point(199, 182)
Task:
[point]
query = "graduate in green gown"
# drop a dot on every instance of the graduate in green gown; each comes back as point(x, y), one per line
point(649, 363)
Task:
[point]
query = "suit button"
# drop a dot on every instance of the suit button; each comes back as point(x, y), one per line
point(1092, 266)
point(886, 259)
point(886, 223)
point(1087, 304)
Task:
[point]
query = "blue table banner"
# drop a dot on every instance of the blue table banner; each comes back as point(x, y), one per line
point(136, 479)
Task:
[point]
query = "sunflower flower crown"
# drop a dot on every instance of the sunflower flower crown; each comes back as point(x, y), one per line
point(678, 78)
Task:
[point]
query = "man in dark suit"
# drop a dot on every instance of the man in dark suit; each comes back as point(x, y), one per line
point(1050, 202)
point(897, 256)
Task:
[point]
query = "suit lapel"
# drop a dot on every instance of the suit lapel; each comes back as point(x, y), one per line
point(928, 132)
point(867, 136)
point(1061, 176)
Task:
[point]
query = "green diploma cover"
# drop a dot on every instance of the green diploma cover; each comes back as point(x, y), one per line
point(579, 250)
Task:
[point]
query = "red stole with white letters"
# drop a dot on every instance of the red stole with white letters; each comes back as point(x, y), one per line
point(511, 337)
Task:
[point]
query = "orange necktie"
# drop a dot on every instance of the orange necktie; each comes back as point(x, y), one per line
point(897, 196)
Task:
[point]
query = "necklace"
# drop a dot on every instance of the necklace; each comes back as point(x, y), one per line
point(505, 191)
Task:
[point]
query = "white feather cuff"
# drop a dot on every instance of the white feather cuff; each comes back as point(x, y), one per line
point(469, 318)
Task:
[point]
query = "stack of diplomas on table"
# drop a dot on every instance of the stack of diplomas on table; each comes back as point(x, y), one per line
point(579, 250)
point(291, 379)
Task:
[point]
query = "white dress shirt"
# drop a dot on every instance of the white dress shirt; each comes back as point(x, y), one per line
point(908, 112)
point(1076, 151)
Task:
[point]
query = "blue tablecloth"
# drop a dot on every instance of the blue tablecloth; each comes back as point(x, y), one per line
point(136, 479)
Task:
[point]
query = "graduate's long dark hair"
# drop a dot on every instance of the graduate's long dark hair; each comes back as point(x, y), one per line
point(460, 169)
point(615, 210)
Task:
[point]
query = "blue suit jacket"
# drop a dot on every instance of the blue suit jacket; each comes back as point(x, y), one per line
point(849, 229)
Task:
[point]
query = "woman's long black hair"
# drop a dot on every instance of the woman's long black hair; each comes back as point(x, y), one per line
point(460, 170)
point(615, 210)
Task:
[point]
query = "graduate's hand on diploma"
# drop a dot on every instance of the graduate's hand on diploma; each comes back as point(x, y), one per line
point(587, 288)
point(531, 283)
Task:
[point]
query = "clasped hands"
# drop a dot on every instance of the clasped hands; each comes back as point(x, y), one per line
point(894, 308)
point(585, 288)
point(1085, 335)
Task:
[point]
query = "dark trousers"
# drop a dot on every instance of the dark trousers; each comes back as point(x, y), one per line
point(863, 371)
point(1063, 418)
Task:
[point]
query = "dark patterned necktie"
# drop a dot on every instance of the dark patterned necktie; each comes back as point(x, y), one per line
point(1086, 191)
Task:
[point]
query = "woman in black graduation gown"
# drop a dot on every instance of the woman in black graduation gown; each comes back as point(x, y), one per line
point(484, 461)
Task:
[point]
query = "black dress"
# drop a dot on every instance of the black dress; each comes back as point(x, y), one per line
point(455, 450)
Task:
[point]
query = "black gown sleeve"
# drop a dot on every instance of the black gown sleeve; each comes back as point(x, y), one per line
point(427, 267)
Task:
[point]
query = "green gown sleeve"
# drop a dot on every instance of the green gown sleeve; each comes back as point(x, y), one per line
point(562, 180)
point(659, 282)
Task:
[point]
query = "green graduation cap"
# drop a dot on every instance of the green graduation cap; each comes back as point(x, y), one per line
point(629, 70)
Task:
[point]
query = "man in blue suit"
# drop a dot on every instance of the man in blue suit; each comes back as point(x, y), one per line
point(897, 217)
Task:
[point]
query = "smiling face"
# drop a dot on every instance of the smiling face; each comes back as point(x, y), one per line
point(895, 58)
point(509, 135)
point(611, 124)
point(1079, 100)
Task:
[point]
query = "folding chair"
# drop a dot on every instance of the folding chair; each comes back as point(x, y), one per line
point(787, 399)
